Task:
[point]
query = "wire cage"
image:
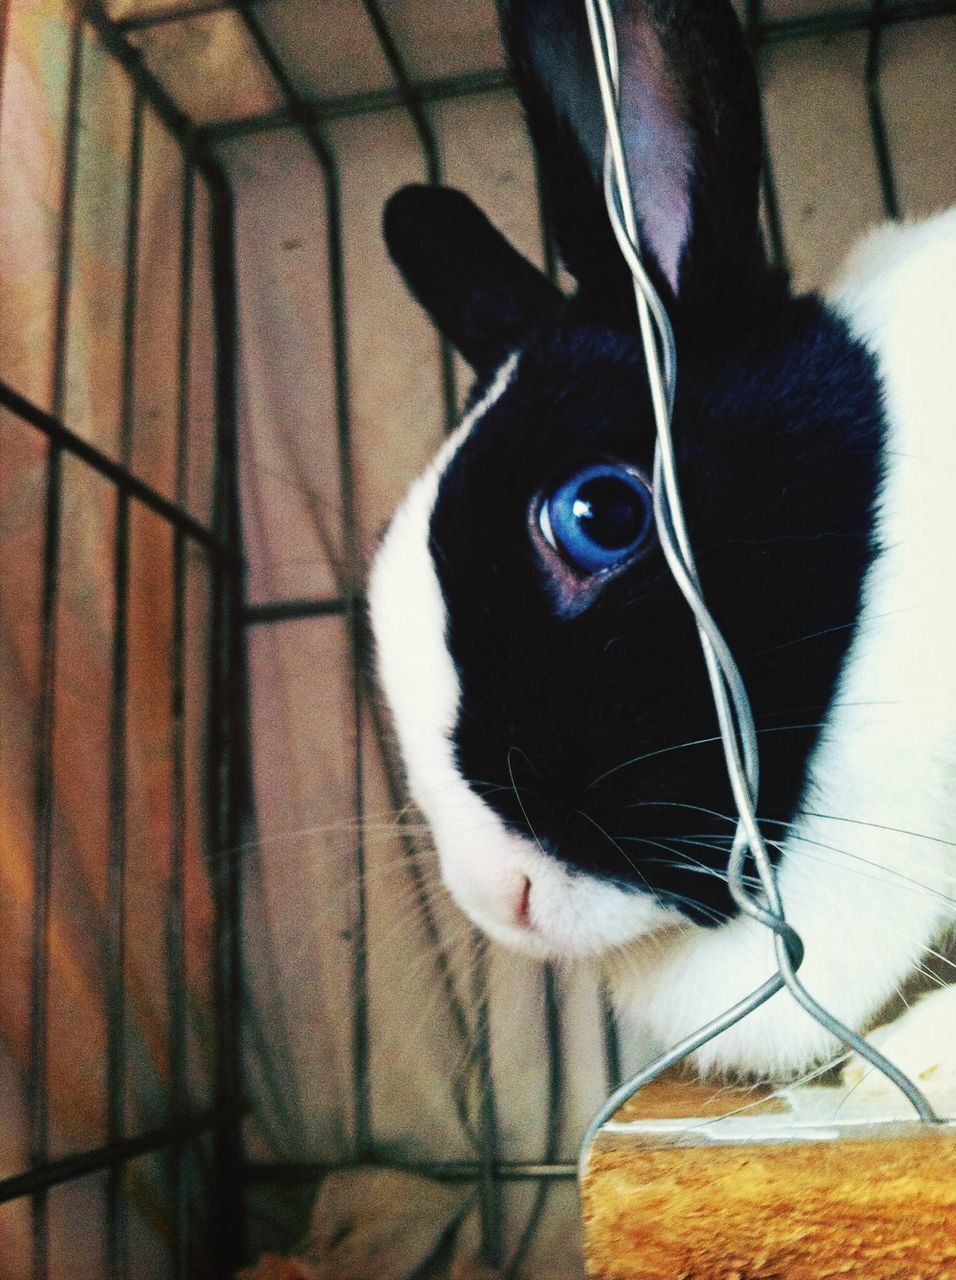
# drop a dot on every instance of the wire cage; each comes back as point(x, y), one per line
point(213, 392)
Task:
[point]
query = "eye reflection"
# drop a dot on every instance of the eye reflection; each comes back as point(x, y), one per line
point(598, 518)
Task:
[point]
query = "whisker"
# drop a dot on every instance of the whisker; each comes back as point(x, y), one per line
point(879, 826)
point(680, 804)
point(889, 875)
point(631, 863)
point(650, 755)
point(712, 913)
point(811, 635)
point(521, 805)
point(695, 742)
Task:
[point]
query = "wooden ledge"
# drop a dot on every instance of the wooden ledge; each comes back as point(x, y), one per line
point(685, 1185)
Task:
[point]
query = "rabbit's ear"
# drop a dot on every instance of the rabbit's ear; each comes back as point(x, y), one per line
point(480, 292)
point(690, 119)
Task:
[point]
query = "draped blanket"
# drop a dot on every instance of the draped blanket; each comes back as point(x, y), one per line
point(357, 1038)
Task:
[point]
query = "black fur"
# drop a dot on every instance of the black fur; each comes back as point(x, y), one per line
point(481, 293)
point(779, 432)
point(713, 102)
point(779, 444)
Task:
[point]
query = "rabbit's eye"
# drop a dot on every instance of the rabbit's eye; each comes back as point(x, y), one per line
point(598, 518)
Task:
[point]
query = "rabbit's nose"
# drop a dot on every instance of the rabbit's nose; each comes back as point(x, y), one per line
point(523, 905)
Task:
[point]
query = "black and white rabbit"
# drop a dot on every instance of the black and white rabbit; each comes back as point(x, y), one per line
point(544, 673)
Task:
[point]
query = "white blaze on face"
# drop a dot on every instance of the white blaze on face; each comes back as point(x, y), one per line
point(485, 866)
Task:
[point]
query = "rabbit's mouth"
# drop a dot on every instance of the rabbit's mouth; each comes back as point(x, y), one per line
point(523, 898)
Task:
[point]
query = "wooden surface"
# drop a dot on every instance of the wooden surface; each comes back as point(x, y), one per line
point(878, 1210)
point(674, 1096)
point(674, 1192)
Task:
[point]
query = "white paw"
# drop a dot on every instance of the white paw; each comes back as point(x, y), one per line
point(922, 1042)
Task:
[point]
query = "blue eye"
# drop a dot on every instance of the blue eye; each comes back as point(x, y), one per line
point(598, 518)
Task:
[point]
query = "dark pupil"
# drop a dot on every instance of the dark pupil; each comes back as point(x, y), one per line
point(610, 512)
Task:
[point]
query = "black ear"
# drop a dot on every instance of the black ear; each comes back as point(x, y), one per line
point(691, 123)
point(480, 292)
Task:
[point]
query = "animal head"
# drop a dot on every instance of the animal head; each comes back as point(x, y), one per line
point(544, 673)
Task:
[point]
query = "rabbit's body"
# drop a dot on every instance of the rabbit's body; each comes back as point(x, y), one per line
point(868, 873)
point(552, 710)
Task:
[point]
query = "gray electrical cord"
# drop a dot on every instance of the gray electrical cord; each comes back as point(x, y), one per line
point(734, 715)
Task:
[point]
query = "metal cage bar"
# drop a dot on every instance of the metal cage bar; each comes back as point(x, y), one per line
point(116, 866)
point(43, 849)
point(175, 924)
point(335, 258)
point(762, 31)
point(881, 146)
point(219, 545)
point(415, 107)
point(229, 774)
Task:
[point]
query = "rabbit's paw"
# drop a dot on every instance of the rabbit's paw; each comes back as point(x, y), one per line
point(922, 1042)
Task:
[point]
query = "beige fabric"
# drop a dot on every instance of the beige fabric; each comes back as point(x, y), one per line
point(301, 875)
point(374, 1222)
point(88, 397)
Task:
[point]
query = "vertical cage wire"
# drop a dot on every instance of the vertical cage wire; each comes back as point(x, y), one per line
point(229, 772)
point(433, 172)
point(484, 1133)
point(756, 35)
point(175, 922)
point(217, 542)
point(116, 1251)
point(44, 807)
point(881, 146)
point(325, 159)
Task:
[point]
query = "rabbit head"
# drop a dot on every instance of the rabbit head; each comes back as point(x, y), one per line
point(544, 673)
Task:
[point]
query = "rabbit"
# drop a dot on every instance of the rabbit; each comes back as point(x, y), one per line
point(543, 671)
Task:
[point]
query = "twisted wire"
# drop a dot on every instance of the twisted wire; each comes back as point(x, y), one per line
point(734, 715)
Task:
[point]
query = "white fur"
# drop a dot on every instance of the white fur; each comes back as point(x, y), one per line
point(867, 899)
point(408, 620)
point(483, 864)
point(867, 878)
point(923, 1044)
